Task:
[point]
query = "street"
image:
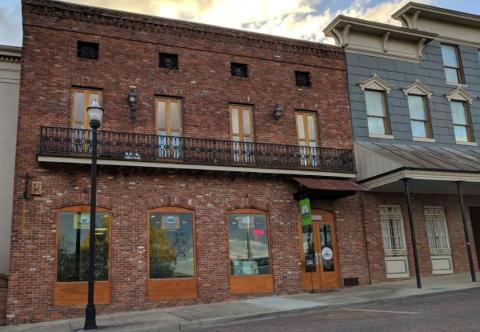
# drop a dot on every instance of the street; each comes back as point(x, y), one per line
point(453, 311)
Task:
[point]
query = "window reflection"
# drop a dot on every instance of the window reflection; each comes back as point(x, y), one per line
point(74, 244)
point(171, 245)
point(248, 243)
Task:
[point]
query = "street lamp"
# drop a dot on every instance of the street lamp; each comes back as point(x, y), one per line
point(95, 116)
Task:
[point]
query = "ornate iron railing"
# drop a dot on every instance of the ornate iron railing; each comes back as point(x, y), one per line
point(71, 142)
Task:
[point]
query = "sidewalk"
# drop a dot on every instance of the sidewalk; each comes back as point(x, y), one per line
point(209, 315)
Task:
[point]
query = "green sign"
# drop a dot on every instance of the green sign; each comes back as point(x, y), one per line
point(305, 212)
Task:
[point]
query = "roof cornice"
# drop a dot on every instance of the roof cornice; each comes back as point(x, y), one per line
point(139, 22)
point(11, 54)
point(414, 9)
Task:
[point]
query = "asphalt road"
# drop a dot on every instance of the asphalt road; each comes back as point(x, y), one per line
point(453, 311)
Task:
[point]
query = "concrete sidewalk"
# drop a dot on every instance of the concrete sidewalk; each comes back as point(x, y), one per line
point(208, 315)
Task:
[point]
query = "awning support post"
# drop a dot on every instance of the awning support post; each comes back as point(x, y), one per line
point(412, 232)
point(465, 229)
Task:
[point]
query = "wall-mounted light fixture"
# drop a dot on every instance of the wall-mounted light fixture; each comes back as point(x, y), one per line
point(132, 101)
point(278, 112)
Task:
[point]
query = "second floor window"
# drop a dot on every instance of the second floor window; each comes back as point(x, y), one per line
point(378, 123)
point(307, 137)
point(168, 124)
point(461, 121)
point(241, 130)
point(451, 64)
point(419, 116)
point(81, 99)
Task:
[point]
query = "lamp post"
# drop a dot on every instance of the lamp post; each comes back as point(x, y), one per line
point(95, 116)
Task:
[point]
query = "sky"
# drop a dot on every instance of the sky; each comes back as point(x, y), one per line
point(301, 19)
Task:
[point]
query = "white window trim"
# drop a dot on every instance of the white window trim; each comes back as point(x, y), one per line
point(375, 83)
point(417, 88)
point(460, 94)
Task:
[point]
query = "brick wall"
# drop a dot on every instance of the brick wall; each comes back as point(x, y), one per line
point(3, 298)
point(129, 47)
point(372, 201)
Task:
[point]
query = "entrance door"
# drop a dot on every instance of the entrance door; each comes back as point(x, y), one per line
point(475, 218)
point(394, 245)
point(438, 241)
point(320, 268)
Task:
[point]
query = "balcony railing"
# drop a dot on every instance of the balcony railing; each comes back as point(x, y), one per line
point(68, 142)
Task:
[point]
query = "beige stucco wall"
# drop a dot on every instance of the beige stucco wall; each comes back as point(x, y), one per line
point(9, 93)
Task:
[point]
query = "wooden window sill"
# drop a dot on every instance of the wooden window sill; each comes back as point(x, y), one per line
point(75, 293)
point(253, 284)
point(171, 289)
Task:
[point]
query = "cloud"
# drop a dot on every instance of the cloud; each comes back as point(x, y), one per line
point(10, 26)
point(301, 19)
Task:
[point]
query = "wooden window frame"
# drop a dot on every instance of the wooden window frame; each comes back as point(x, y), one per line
point(241, 108)
point(86, 97)
point(168, 101)
point(251, 284)
point(162, 289)
point(74, 293)
point(468, 116)
point(428, 120)
point(305, 115)
point(459, 68)
point(386, 117)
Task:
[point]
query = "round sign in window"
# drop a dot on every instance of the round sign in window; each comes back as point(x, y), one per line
point(327, 253)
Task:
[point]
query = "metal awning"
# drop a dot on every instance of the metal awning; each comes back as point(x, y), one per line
point(325, 188)
point(381, 166)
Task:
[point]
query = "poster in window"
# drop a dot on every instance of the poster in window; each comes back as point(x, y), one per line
point(170, 222)
point(81, 221)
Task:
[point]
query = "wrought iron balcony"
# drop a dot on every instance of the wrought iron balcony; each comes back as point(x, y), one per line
point(69, 142)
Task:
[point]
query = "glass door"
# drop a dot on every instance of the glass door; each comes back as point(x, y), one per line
point(320, 254)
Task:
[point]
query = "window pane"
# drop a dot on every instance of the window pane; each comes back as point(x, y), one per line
point(79, 109)
point(451, 75)
point(326, 241)
point(235, 122)
point(300, 127)
point(461, 134)
point(309, 249)
point(458, 113)
point(246, 122)
point(171, 245)
point(416, 106)
point(449, 55)
point(418, 129)
point(73, 246)
point(311, 127)
point(161, 116)
point(248, 243)
point(375, 103)
point(376, 126)
point(175, 116)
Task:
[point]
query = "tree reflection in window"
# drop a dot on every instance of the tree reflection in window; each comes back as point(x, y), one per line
point(248, 243)
point(74, 244)
point(171, 245)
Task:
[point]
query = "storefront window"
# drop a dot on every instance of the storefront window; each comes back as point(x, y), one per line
point(171, 245)
point(248, 242)
point(74, 244)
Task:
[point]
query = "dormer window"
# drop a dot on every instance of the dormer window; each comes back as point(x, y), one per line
point(376, 91)
point(169, 61)
point(302, 78)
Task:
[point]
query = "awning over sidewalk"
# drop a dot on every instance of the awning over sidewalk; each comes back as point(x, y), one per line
point(326, 188)
point(382, 165)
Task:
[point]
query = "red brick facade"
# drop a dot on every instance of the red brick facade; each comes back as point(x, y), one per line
point(129, 47)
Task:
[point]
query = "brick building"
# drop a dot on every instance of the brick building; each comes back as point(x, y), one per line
point(199, 176)
point(413, 94)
